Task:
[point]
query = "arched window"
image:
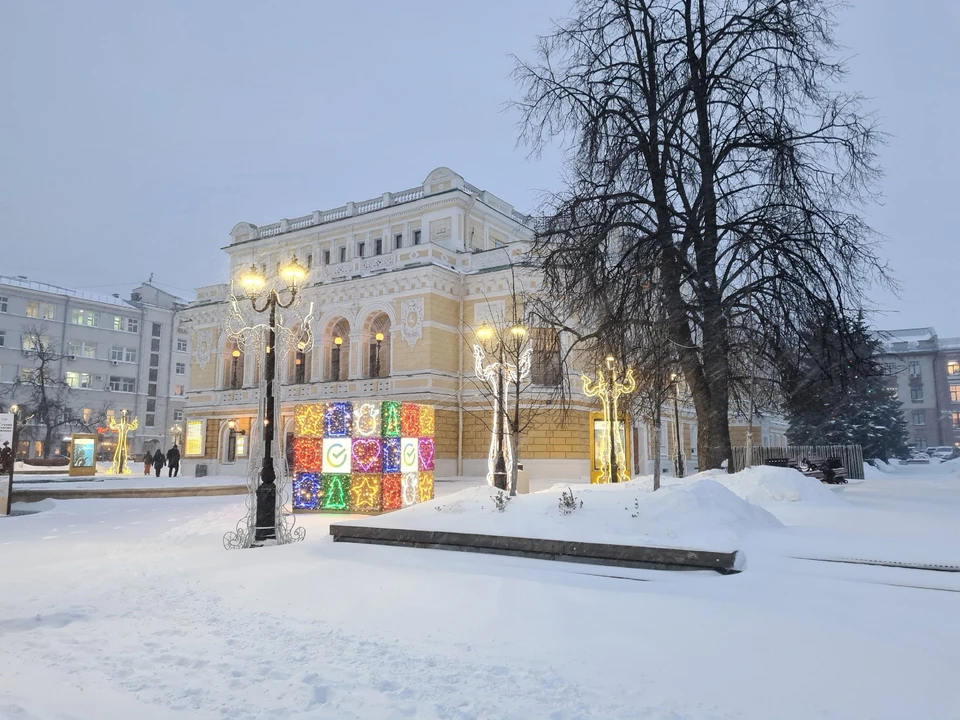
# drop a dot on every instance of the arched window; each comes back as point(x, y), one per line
point(338, 342)
point(301, 359)
point(378, 346)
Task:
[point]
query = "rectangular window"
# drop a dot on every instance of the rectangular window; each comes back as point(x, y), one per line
point(150, 420)
point(3, 303)
point(241, 445)
point(398, 241)
point(178, 390)
point(378, 246)
point(130, 355)
point(193, 444)
point(545, 366)
point(151, 405)
point(111, 415)
point(953, 368)
point(181, 369)
point(32, 342)
point(33, 309)
point(343, 254)
point(916, 392)
point(309, 261)
point(178, 415)
point(122, 384)
point(116, 354)
point(85, 317)
point(89, 350)
point(955, 393)
point(118, 323)
point(919, 417)
point(3, 338)
point(133, 325)
point(956, 421)
point(914, 367)
point(78, 380)
point(326, 257)
point(155, 345)
point(921, 442)
point(152, 389)
point(74, 347)
point(48, 311)
point(27, 374)
point(152, 377)
point(416, 237)
point(181, 345)
point(157, 329)
point(361, 247)
point(154, 359)
point(87, 415)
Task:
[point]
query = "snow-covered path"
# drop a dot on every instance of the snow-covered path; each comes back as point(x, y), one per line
point(131, 608)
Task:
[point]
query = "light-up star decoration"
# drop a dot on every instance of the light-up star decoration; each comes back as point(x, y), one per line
point(613, 456)
point(122, 453)
point(499, 375)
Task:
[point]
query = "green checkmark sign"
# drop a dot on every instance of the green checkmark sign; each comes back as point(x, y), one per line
point(409, 453)
point(336, 455)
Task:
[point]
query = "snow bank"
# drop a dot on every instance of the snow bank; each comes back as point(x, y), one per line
point(699, 515)
point(765, 485)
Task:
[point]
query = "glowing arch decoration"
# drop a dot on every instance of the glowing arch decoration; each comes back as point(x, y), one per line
point(362, 457)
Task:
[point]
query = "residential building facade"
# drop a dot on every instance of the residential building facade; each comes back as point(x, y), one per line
point(924, 372)
point(100, 355)
point(398, 286)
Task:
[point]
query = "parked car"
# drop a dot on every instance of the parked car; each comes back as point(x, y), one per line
point(943, 452)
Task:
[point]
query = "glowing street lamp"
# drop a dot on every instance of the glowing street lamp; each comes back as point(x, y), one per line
point(379, 338)
point(609, 390)
point(253, 283)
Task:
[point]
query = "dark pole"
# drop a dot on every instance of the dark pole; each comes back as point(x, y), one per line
point(676, 425)
point(267, 491)
point(376, 372)
point(13, 462)
point(614, 471)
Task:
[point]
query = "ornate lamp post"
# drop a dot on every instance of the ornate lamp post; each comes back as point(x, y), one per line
point(676, 422)
point(499, 373)
point(253, 284)
point(379, 338)
point(609, 389)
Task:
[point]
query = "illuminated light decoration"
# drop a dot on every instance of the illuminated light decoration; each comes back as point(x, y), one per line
point(367, 455)
point(307, 454)
point(390, 418)
point(409, 450)
point(365, 492)
point(308, 420)
point(427, 421)
point(336, 456)
point(122, 453)
point(366, 420)
point(609, 389)
point(337, 420)
point(410, 495)
point(392, 487)
point(491, 374)
point(307, 491)
point(409, 420)
point(391, 455)
point(336, 492)
point(425, 487)
point(426, 453)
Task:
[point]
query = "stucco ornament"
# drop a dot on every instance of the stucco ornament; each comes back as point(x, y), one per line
point(411, 313)
point(204, 348)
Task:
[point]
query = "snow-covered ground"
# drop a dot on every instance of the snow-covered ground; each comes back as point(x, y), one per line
point(131, 608)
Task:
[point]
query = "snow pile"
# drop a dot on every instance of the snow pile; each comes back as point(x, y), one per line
point(765, 485)
point(701, 515)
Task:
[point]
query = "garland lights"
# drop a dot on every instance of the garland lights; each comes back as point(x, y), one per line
point(363, 457)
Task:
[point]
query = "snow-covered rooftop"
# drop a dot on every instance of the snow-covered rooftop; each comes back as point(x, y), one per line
point(23, 282)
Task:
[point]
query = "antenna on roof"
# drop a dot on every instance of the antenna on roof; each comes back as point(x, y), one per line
point(151, 278)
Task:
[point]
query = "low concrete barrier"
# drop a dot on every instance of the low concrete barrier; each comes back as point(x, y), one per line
point(634, 556)
point(38, 494)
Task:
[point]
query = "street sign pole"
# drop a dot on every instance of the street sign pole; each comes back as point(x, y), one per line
point(8, 434)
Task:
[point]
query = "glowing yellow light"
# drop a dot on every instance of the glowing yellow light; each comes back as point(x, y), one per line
point(365, 495)
point(308, 420)
point(236, 353)
point(379, 337)
point(232, 424)
point(294, 273)
point(338, 341)
point(485, 332)
point(609, 390)
point(120, 455)
point(253, 281)
point(14, 408)
point(518, 330)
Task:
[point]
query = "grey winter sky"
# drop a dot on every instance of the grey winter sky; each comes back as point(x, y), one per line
point(134, 135)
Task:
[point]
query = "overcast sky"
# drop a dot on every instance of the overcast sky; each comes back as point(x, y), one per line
point(134, 135)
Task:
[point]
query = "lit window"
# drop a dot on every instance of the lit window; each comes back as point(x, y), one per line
point(27, 374)
point(33, 309)
point(87, 415)
point(78, 380)
point(122, 384)
point(85, 317)
point(178, 390)
point(953, 368)
point(955, 393)
point(48, 312)
point(194, 438)
point(111, 415)
point(956, 421)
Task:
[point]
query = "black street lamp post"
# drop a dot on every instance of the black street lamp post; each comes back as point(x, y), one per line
point(676, 422)
point(253, 283)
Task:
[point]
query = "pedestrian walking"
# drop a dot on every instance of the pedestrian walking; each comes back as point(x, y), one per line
point(158, 461)
point(173, 461)
point(6, 458)
point(147, 462)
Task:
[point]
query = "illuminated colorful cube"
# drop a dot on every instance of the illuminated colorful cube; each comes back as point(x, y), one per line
point(390, 418)
point(427, 421)
point(307, 454)
point(366, 420)
point(409, 420)
point(336, 492)
point(367, 455)
point(337, 453)
point(426, 454)
point(409, 488)
point(391, 455)
point(338, 420)
point(307, 491)
point(425, 486)
point(392, 491)
point(365, 492)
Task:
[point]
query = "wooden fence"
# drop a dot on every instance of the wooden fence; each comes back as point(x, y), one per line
point(850, 455)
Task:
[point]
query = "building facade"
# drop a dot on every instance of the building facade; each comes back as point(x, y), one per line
point(92, 356)
point(398, 285)
point(924, 372)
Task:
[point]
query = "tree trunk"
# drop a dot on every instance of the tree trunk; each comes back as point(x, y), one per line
point(656, 452)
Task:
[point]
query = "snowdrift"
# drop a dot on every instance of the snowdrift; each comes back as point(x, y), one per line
point(765, 485)
point(701, 515)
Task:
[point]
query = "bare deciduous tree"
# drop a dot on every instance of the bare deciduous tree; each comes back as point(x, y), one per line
point(707, 148)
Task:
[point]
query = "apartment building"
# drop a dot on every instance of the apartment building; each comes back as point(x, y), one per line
point(93, 356)
point(924, 372)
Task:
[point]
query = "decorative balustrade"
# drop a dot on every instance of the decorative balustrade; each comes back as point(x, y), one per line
point(407, 195)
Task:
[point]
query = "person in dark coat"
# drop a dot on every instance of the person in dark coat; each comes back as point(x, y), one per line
point(173, 461)
point(147, 462)
point(158, 461)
